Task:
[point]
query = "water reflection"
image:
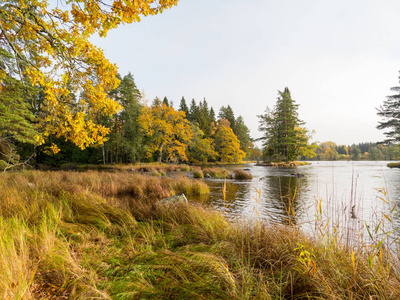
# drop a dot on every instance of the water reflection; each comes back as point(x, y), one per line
point(339, 186)
point(282, 200)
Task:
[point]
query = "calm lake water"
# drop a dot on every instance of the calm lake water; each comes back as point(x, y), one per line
point(328, 190)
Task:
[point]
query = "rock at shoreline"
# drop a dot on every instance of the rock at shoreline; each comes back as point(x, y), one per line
point(180, 198)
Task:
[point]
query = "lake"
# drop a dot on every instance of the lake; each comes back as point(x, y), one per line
point(341, 193)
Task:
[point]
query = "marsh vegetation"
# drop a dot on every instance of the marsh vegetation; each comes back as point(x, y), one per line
point(70, 235)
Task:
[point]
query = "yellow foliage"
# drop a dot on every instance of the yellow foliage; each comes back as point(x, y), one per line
point(228, 145)
point(168, 130)
point(51, 48)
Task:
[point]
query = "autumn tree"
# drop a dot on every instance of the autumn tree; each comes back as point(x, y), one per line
point(168, 132)
point(49, 46)
point(227, 144)
point(284, 134)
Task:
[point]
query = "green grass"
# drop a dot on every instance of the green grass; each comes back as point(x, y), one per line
point(97, 235)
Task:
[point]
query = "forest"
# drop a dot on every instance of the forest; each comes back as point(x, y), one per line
point(156, 131)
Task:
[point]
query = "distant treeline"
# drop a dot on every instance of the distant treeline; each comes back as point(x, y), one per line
point(361, 151)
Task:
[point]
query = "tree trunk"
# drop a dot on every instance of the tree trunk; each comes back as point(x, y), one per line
point(160, 150)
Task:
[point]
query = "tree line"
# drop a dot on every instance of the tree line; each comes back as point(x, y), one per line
point(361, 151)
point(140, 131)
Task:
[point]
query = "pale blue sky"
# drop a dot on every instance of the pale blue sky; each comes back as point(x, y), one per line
point(338, 58)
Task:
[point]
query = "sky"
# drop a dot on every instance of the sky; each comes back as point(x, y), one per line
point(338, 58)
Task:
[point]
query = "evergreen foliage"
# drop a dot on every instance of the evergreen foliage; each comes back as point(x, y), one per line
point(227, 113)
point(283, 136)
point(183, 107)
point(390, 112)
point(242, 132)
point(17, 118)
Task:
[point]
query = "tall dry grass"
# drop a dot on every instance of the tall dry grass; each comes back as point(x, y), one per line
point(67, 235)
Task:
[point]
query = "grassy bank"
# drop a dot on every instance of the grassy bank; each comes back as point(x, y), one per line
point(68, 235)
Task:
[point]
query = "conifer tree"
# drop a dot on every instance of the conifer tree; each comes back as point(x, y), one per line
point(284, 136)
point(242, 132)
point(183, 107)
point(165, 101)
point(390, 112)
point(156, 102)
point(193, 112)
point(204, 119)
point(212, 115)
point(17, 118)
point(227, 113)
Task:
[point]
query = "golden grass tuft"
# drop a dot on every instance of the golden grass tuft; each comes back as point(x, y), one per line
point(242, 175)
point(219, 173)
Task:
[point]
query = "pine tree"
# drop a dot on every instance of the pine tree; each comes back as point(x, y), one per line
point(390, 112)
point(165, 101)
point(227, 113)
point(183, 107)
point(284, 135)
point(156, 102)
point(193, 112)
point(204, 119)
point(242, 132)
point(212, 115)
point(17, 118)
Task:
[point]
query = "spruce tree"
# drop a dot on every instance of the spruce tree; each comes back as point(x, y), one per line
point(390, 112)
point(17, 119)
point(204, 119)
point(242, 132)
point(183, 107)
point(193, 112)
point(283, 136)
point(212, 115)
point(165, 101)
point(227, 113)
